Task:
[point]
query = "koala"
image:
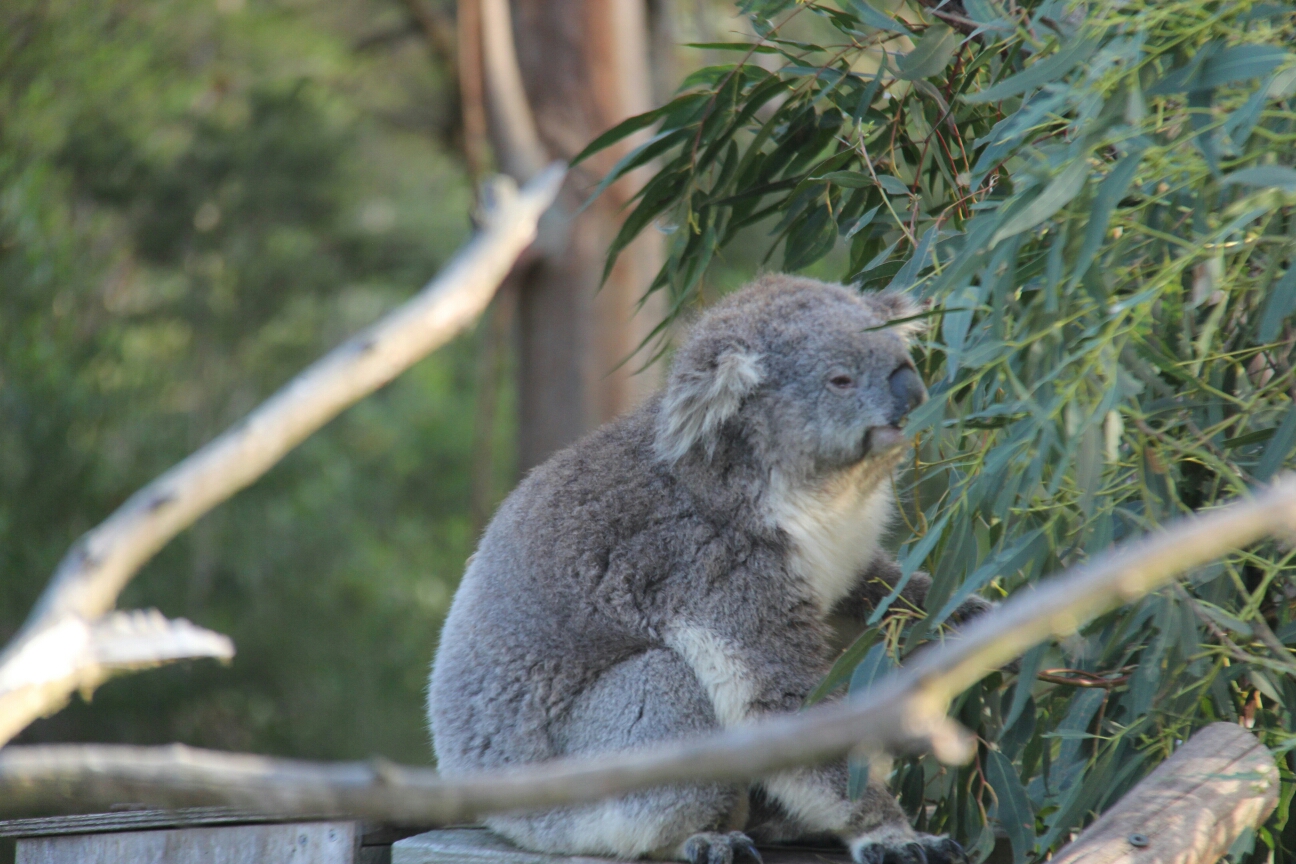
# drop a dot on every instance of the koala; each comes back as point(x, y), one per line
point(674, 572)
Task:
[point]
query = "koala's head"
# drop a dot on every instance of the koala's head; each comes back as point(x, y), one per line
point(804, 375)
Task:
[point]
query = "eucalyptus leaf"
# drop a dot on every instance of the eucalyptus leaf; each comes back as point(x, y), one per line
point(1013, 808)
point(874, 18)
point(1279, 305)
point(1039, 73)
point(930, 56)
point(1103, 357)
point(1056, 195)
point(1275, 176)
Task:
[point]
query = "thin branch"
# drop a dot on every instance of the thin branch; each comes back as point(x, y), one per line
point(90, 577)
point(904, 711)
point(72, 654)
point(517, 142)
point(1080, 678)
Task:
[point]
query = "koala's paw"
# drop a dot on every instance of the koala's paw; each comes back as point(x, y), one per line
point(970, 608)
point(888, 845)
point(714, 847)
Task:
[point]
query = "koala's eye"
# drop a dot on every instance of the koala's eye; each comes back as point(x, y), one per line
point(841, 382)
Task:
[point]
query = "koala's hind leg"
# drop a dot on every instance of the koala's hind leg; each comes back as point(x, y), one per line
point(651, 697)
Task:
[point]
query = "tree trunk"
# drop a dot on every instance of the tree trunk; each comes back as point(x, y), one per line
point(585, 67)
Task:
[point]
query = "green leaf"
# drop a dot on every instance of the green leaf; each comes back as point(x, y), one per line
point(1060, 191)
point(861, 223)
point(733, 46)
point(1279, 447)
point(931, 55)
point(1242, 121)
point(810, 238)
point(1225, 620)
point(1269, 176)
point(1110, 191)
point(641, 155)
point(844, 666)
point(1243, 440)
point(911, 562)
point(622, 130)
point(1030, 666)
point(893, 185)
point(908, 274)
point(1039, 73)
point(874, 667)
point(1013, 808)
point(1005, 562)
point(988, 14)
point(849, 179)
point(1280, 303)
point(873, 18)
point(1238, 64)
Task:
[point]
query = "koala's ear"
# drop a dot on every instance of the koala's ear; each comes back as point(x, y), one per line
point(700, 399)
point(894, 305)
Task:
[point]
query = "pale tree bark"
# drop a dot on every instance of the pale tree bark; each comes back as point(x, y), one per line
point(584, 65)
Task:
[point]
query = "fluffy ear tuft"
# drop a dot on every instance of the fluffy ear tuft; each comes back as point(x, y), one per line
point(699, 400)
point(896, 305)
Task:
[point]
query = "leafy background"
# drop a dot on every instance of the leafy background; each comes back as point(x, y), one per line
point(1097, 197)
point(196, 200)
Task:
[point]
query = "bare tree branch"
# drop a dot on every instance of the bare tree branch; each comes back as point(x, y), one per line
point(903, 712)
point(63, 647)
point(73, 654)
point(517, 142)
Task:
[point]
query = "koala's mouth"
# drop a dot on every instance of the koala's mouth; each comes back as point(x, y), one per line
point(880, 440)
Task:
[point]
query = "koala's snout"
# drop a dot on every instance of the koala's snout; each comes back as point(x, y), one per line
point(907, 393)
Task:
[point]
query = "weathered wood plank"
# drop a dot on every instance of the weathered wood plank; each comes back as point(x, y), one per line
point(130, 820)
point(471, 846)
point(479, 846)
point(1190, 809)
point(303, 843)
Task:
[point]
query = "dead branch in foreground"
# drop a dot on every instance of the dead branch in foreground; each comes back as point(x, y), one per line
point(67, 644)
point(904, 712)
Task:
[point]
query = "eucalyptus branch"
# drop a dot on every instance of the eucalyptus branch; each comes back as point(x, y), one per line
point(67, 644)
point(902, 713)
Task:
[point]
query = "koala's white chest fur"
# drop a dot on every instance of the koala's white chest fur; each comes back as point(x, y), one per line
point(835, 528)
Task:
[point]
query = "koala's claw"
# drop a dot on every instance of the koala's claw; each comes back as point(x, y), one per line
point(713, 847)
point(923, 849)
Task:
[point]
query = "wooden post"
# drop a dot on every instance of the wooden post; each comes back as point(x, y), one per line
point(1190, 809)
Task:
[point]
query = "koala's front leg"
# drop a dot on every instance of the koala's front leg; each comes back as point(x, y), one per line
point(873, 826)
point(768, 669)
point(880, 579)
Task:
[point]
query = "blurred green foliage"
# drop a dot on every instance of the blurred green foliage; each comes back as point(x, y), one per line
point(1098, 199)
point(196, 200)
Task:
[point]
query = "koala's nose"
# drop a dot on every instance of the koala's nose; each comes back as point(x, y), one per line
point(907, 392)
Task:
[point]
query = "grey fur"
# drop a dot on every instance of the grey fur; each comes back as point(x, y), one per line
point(674, 572)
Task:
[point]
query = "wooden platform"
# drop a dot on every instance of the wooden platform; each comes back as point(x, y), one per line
point(479, 846)
point(217, 835)
point(200, 835)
